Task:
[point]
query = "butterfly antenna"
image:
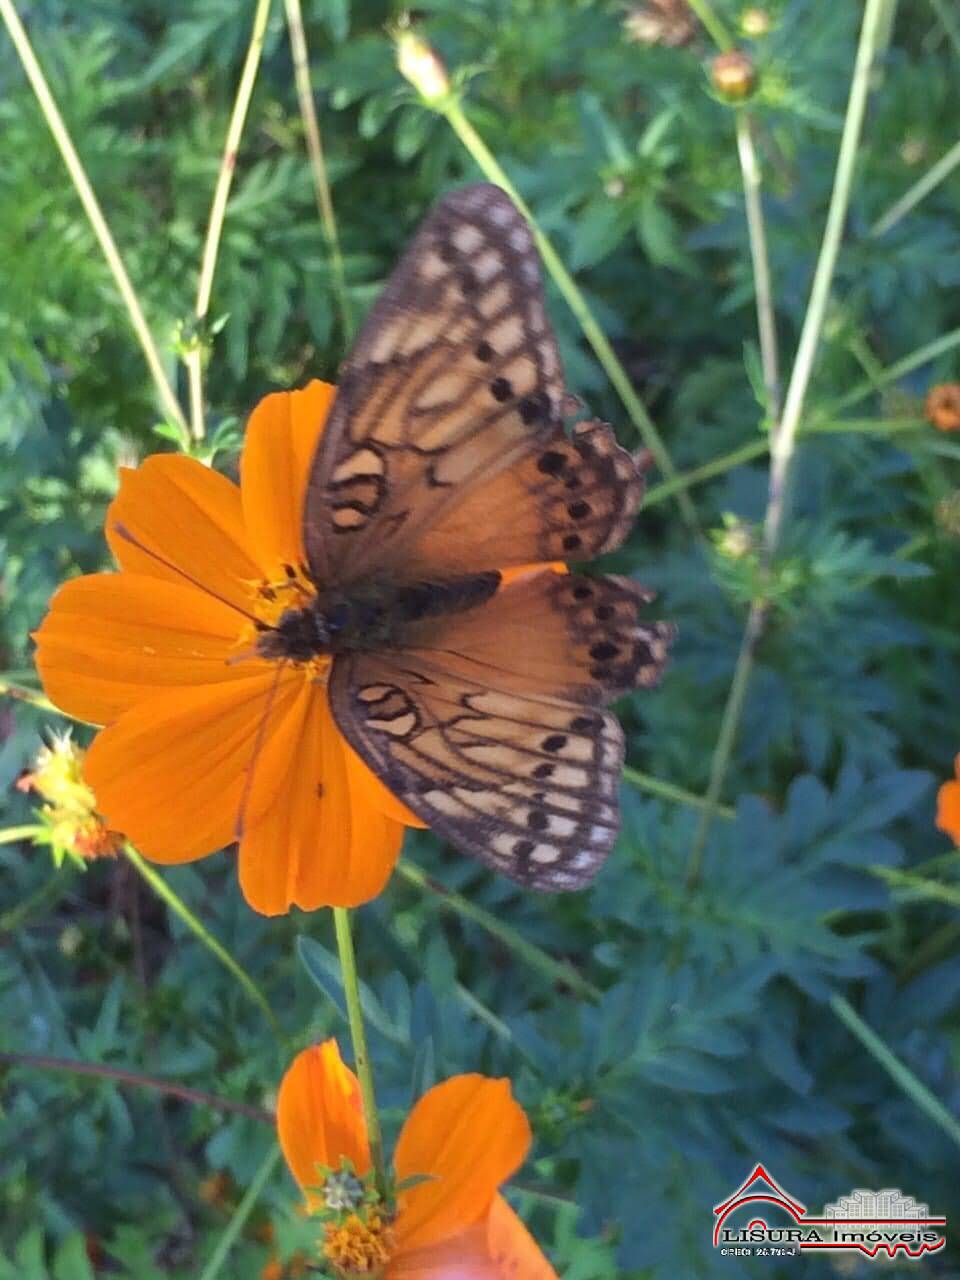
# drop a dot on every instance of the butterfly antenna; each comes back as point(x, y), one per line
point(123, 532)
point(258, 741)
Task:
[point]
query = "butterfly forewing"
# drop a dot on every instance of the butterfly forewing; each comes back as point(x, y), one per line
point(454, 377)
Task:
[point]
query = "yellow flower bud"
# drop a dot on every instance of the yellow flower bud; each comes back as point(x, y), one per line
point(421, 65)
point(755, 22)
point(733, 75)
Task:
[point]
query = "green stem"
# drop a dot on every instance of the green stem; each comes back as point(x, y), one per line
point(218, 208)
point(709, 19)
point(912, 1087)
point(919, 191)
point(358, 1037)
point(202, 933)
point(726, 740)
point(318, 164)
point(100, 1071)
point(669, 791)
point(783, 441)
point(30, 696)
point(906, 880)
point(91, 207)
point(745, 453)
point(921, 356)
point(452, 110)
point(241, 1214)
point(763, 286)
point(12, 835)
point(555, 971)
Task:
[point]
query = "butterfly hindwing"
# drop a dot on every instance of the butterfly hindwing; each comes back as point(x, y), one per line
point(445, 446)
point(490, 724)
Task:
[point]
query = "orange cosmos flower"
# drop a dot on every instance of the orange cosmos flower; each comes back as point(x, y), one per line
point(460, 1142)
point(942, 406)
point(162, 654)
point(948, 806)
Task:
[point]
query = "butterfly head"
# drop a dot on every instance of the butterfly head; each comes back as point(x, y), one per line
point(299, 635)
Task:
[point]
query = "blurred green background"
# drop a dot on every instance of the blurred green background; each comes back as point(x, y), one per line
point(720, 1038)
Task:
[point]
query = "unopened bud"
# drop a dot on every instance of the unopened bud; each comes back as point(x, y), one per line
point(70, 941)
point(421, 65)
point(942, 406)
point(733, 75)
point(755, 22)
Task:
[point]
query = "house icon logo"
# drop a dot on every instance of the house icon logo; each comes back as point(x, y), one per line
point(761, 1218)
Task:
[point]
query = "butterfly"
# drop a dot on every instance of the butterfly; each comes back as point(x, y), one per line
point(444, 462)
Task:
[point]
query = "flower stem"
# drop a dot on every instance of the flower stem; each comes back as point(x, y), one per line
point(756, 228)
point(99, 1070)
point(555, 971)
point(906, 364)
point(358, 1037)
point(912, 1087)
point(91, 206)
point(670, 791)
point(218, 210)
point(12, 835)
point(318, 164)
point(919, 191)
point(202, 933)
point(452, 110)
point(783, 443)
point(32, 697)
point(708, 18)
point(241, 1214)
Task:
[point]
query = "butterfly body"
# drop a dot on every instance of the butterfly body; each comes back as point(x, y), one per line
point(374, 616)
point(478, 697)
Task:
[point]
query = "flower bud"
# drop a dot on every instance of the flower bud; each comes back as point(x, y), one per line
point(70, 941)
point(665, 22)
point(733, 75)
point(421, 65)
point(755, 22)
point(942, 406)
point(947, 514)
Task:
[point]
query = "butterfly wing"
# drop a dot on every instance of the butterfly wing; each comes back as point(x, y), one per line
point(490, 724)
point(445, 450)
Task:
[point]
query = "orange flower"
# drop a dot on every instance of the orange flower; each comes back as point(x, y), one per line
point(948, 806)
point(162, 654)
point(459, 1143)
point(942, 406)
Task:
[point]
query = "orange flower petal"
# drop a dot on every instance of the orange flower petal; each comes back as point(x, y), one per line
point(112, 639)
point(317, 840)
point(282, 437)
point(468, 1136)
point(320, 1116)
point(512, 1248)
point(170, 772)
point(365, 781)
point(464, 1256)
point(948, 807)
point(191, 517)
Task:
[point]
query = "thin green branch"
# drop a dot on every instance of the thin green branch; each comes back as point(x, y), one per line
point(450, 107)
point(783, 441)
point(202, 933)
point(218, 211)
point(241, 1214)
point(936, 174)
point(555, 971)
point(929, 352)
point(136, 1079)
point(909, 882)
point(669, 791)
point(318, 164)
point(31, 697)
point(51, 889)
point(358, 1037)
point(91, 206)
point(902, 1076)
point(763, 286)
point(709, 19)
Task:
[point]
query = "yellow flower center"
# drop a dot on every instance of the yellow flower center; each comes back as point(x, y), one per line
point(358, 1246)
point(269, 600)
